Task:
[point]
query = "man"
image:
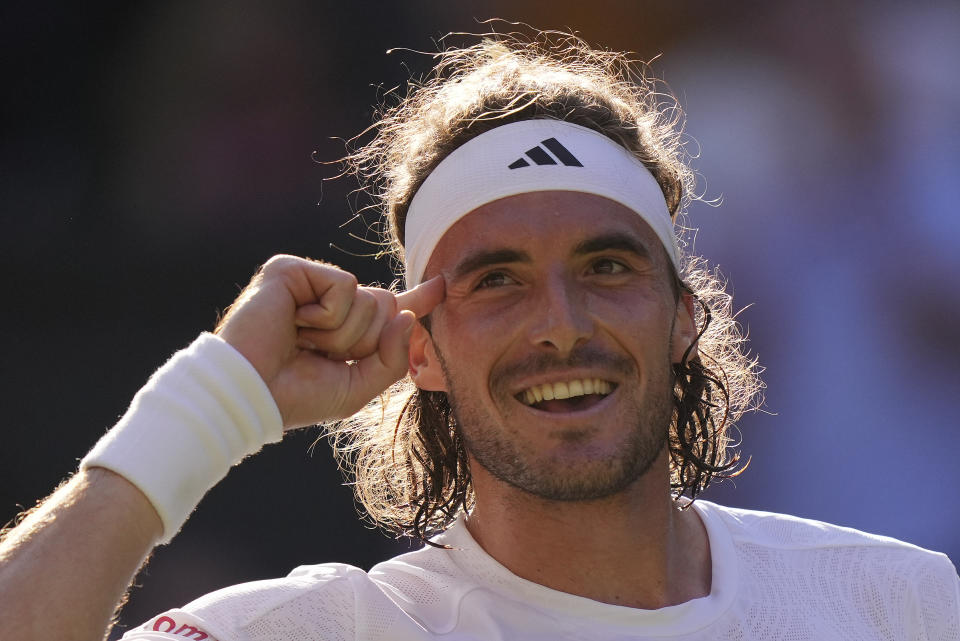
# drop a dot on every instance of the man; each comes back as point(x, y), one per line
point(565, 394)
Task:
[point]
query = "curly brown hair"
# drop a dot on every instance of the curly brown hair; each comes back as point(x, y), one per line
point(404, 453)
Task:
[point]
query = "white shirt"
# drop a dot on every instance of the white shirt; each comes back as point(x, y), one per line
point(774, 577)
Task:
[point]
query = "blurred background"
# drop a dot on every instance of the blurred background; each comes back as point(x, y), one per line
point(154, 154)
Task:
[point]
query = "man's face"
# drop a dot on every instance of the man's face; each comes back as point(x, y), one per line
point(552, 294)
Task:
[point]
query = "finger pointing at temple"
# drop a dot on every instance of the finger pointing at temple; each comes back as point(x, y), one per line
point(424, 297)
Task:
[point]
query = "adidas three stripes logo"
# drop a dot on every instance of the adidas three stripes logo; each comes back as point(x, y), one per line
point(540, 156)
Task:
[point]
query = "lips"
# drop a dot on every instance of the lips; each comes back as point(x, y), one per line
point(566, 395)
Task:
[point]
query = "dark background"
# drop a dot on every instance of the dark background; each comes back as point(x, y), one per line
point(154, 154)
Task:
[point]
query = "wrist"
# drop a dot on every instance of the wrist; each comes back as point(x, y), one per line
point(198, 415)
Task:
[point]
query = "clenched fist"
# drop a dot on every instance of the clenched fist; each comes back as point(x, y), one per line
point(323, 345)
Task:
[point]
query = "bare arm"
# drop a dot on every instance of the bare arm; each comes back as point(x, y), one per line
point(65, 568)
point(304, 327)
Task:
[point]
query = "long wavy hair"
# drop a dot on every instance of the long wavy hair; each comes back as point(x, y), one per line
point(404, 453)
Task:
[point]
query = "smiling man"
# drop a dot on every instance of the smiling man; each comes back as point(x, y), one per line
point(564, 397)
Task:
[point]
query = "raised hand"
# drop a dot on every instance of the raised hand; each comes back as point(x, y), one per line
point(323, 345)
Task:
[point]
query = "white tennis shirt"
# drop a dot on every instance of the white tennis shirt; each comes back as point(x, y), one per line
point(774, 577)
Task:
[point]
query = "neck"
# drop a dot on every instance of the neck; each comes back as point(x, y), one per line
point(634, 549)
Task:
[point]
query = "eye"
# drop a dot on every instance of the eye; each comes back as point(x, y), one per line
point(495, 279)
point(607, 266)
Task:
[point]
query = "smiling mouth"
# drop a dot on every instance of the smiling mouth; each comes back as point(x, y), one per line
point(566, 396)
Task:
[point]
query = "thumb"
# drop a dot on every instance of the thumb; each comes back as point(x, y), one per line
point(379, 370)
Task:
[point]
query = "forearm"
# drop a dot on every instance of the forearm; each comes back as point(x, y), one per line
point(65, 568)
point(53, 590)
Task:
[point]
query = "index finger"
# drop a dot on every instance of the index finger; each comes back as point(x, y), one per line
point(424, 297)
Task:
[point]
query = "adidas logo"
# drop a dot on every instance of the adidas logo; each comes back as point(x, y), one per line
point(541, 157)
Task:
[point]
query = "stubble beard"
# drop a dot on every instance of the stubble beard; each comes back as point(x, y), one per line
point(597, 474)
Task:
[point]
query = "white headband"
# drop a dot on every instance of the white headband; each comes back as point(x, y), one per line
point(522, 157)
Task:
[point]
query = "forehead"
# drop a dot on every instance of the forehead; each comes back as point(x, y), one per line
point(544, 221)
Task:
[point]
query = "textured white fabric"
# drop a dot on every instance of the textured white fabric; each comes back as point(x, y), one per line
point(775, 577)
point(482, 170)
point(198, 415)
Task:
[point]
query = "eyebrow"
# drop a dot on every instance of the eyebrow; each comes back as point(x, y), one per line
point(613, 241)
point(480, 259)
point(604, 242)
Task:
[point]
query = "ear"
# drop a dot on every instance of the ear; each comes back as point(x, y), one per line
point(424, 365)
point(684, 329)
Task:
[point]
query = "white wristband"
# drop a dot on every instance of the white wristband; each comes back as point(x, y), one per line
point(197, 416)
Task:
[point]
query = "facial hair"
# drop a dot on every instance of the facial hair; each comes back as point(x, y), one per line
point(597, 473)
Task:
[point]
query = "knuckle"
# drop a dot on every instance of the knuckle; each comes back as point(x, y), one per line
point(386, 299)
point(346, 278)
point(365, 300)
point(340, 282)
point(279, 263)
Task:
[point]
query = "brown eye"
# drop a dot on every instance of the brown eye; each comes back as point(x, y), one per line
point(495, 279)
point(608, 266)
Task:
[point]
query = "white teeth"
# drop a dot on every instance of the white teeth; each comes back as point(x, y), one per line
point(566, 389)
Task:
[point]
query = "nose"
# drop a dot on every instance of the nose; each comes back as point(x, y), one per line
point(560, 320)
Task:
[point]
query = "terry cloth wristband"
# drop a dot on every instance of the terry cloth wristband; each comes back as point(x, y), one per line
point(198, 415)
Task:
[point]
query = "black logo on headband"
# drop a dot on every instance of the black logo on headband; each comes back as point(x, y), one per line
point(541, 157)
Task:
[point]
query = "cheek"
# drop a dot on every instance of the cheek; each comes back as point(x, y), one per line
point(640, 308)
point(487, 321)
point(642, 323)
point(469, 340)
point(474, 343)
